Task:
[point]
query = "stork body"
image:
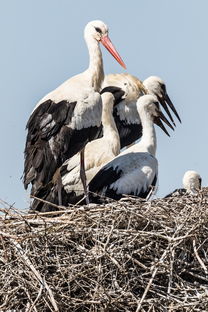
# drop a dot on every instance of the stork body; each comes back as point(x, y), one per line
point(70, 116)
point(135, 170)
point(97, 153)
point(191, 184)
point(125, 113)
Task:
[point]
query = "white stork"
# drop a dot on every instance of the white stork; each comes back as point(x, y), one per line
point(125, 113)
point(68, 117)
point(97, 153)
point(135, 170)
point(191, 184)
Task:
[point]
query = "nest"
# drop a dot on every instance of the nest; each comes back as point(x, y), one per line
point(130, 255)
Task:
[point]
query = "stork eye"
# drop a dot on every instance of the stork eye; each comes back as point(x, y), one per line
point(98, 30)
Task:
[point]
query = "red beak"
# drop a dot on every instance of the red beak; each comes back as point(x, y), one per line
point(110, 47)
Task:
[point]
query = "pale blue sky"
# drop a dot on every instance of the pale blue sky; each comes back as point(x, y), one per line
point(42, 45)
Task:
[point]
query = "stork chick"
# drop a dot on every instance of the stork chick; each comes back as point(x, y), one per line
point(191, 184)
point(135, 170)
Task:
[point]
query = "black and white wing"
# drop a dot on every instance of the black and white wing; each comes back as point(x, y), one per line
point(128, 174)
point(129, 130)
point(56, 132)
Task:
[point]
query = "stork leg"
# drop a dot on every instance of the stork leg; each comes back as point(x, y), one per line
point(59, 188)
point(57, 182)
point(83, 176)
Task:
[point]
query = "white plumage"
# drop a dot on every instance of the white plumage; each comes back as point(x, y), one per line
point(139, 173)
point(192, 181)
point(156, 86)
point(135, 170)
point(70, 116)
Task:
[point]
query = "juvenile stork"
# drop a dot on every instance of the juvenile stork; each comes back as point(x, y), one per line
point(125, 113)
point(68, 117)
point(191, 184)
point(135, 170)
point(97, 153)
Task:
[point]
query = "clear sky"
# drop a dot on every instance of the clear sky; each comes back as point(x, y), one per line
point(42, 45)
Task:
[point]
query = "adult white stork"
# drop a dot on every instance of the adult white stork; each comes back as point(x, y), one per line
point(191, 184)
point(70, 116)
point(135, 170)
point(97, 153)
point(125, 113)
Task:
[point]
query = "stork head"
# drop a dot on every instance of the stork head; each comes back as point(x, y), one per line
point(117, 93)
point(148, 105)
point(192, 181)
point(99, 32)
point(96, 29)
point(157, 87)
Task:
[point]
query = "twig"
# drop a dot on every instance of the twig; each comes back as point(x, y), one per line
point(198, 258)
point(137, 262)
point(36, 299)
point(36, 273)
point(151, 280)
point(172, 254)
point(47, 202)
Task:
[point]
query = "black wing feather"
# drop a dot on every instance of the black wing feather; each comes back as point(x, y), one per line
point(118, 93)
point(44, 125)
point(102, 180)
point(50, 141)
point(144, 194)
point(128, 133)
point(177, 192)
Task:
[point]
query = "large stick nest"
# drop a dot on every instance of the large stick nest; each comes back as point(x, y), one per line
point(129, 255)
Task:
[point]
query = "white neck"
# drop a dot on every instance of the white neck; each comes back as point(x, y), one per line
point(110, 131)
point(148, 141)
point(95, 64)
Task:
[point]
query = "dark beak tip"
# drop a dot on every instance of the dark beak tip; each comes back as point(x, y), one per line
point(167, 102)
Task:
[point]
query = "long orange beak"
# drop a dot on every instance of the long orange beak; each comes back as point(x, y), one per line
point(110, 47)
